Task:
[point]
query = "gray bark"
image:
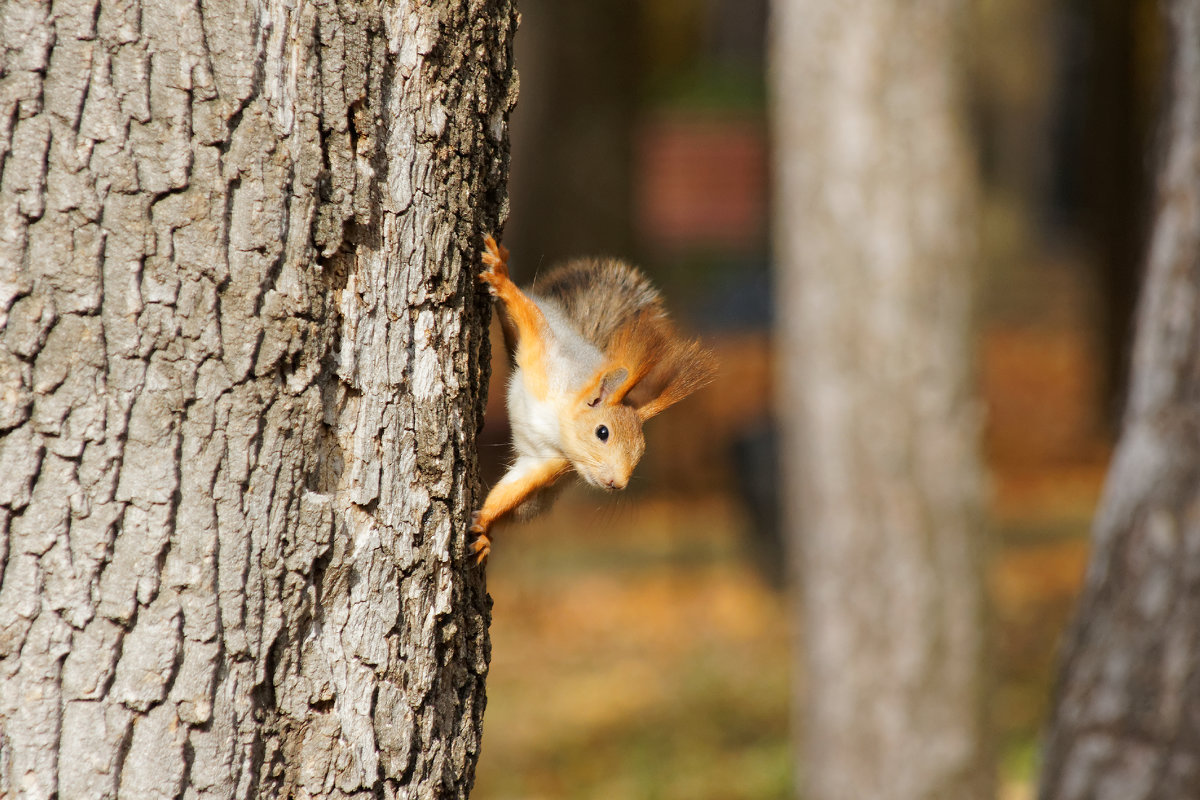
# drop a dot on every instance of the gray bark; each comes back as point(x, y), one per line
point(1126, 722)
point(874, 243)
point(240, 384)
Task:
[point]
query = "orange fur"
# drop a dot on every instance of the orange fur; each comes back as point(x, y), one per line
point(663, 367)
point(507, 495)
point(522, 316)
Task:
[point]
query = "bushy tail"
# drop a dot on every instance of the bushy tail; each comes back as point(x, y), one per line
point(599, 295)
point(617, 309)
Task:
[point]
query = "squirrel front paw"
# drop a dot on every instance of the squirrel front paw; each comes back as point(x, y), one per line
point(495, 265)
point(481, 545)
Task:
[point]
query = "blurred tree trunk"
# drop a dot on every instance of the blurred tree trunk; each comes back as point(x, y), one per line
point(875, 241)
point(573, 140)
point(240, 383)
point(1127, 716)
point(1113, 174)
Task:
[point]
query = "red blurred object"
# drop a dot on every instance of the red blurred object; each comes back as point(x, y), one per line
point(700, 181)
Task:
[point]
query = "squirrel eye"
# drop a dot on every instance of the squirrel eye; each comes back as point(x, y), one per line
point(602, 433)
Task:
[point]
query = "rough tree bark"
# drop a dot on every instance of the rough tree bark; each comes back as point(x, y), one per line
point(1126, 722)
point(240, 383)
point(874, 243)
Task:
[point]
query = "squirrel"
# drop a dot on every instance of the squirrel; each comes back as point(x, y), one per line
point(594, 356)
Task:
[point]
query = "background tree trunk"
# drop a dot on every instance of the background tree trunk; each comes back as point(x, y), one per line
point(573, 140)
point(240, 383)
point(1127, 716)
point(874, 240)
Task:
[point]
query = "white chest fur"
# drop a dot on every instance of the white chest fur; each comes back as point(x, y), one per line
point(571, 361)
point(535, 426)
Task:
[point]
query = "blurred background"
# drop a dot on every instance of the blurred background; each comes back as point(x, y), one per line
point(642, 642)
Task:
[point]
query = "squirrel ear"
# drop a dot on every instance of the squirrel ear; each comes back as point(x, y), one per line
point(691, 368)
point(605, 390)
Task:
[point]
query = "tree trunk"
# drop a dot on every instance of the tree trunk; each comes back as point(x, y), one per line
point(1126, 722)
point(874, 240)
point(241, 377)
point(1114, 175)
point(580, 67)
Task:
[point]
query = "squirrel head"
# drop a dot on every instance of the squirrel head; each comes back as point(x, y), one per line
point(603, 437)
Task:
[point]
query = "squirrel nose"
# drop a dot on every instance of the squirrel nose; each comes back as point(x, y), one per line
point(613, 483)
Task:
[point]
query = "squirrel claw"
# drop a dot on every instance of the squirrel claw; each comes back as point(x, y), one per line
point(481, 546)
point(495, 262)
point(496, 254)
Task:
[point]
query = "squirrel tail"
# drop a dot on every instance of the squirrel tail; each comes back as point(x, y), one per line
point(600, 295)
point(618, 310)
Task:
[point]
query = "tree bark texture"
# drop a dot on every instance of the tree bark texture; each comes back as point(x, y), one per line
point(1126, 722)
point(874, 243)
point(241, 376)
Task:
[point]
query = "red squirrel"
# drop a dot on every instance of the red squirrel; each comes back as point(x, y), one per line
point(594, 356)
